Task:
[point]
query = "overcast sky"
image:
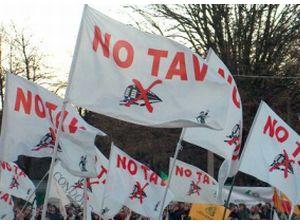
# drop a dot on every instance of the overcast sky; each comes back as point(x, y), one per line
point(54, 24)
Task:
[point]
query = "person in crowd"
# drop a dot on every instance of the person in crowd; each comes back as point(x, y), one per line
point(254, 213)
point(53, 213)
point(234, 212)
point(70, 211)
point(243, 212)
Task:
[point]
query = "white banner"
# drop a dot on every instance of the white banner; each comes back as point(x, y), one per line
point(6, 207)
point(73, 188)
point(134, 185)
point(143, 78)
point(272, 153)
point(225, 143)
point(249, 195)
point(15, 182)
point(192, 185)
point(30, 120)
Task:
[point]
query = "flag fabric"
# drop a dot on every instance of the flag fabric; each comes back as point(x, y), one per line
point(281, 203)
point(143, 78)
point(72, 188)
point(134, 185)
point(6, 207)
point(191, 184)
point(275, 148)
point(248, 195)
point(227, 142)
point(208, 212)
point(30, 120)
point(15, 182)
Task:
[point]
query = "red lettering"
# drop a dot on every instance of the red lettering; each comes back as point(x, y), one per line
point(58, 118)
point(179, 171)
point(122, 161)
point(6, 166)
point(73, 125)
point(5, 198)
point(132, 167)
point(39, 107)
point(98, 40)
point(284, 135)
point(153, 178)
point(51, 107)
point(297, 150)
point(270, 125)
point(116, 53)
point(229, 79)
point(187, 172)
point(221, 73)
point(200, 73)
point(102, 173)
point(157, 55)
point(205, 179)
point(178, 60)
point(145, 169)
point(199, 174)
point(21, 99)
point(234, 97)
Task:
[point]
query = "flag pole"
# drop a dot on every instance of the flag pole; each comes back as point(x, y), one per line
point(37, 186)
point(75, 55)
point(104, 191)
point(85, 200)
point(178, 148)
point(53, 158)
point(228, 197)
point(241, 158)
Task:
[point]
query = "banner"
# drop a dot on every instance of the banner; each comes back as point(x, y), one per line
point(225, 143)
point(6, 207)
point(30, 120)
point(73, 188)
point(248, 195)
point(208, 212)
point(143, 78)
point(275, 148)
point(15, 182)
point(192, 185)
point(134, 185)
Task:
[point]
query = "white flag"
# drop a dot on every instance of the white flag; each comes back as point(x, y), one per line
point(272, 153)
point(225, 143)
point(15, 182)
point(192, 185)
point(30, 120)
point(73, 188)
point(6, 207)
point(134, 185)
point(143, 78)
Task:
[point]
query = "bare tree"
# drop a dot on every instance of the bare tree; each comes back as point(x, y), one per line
point(257, 40)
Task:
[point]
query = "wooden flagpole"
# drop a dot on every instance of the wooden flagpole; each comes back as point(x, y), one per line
point(85, 200)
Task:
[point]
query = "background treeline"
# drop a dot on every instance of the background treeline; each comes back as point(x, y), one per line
point(261, 42)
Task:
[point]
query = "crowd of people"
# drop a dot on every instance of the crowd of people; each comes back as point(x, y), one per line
point(175, 211)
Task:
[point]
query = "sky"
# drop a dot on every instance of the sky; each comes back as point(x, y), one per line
point(54, 25)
